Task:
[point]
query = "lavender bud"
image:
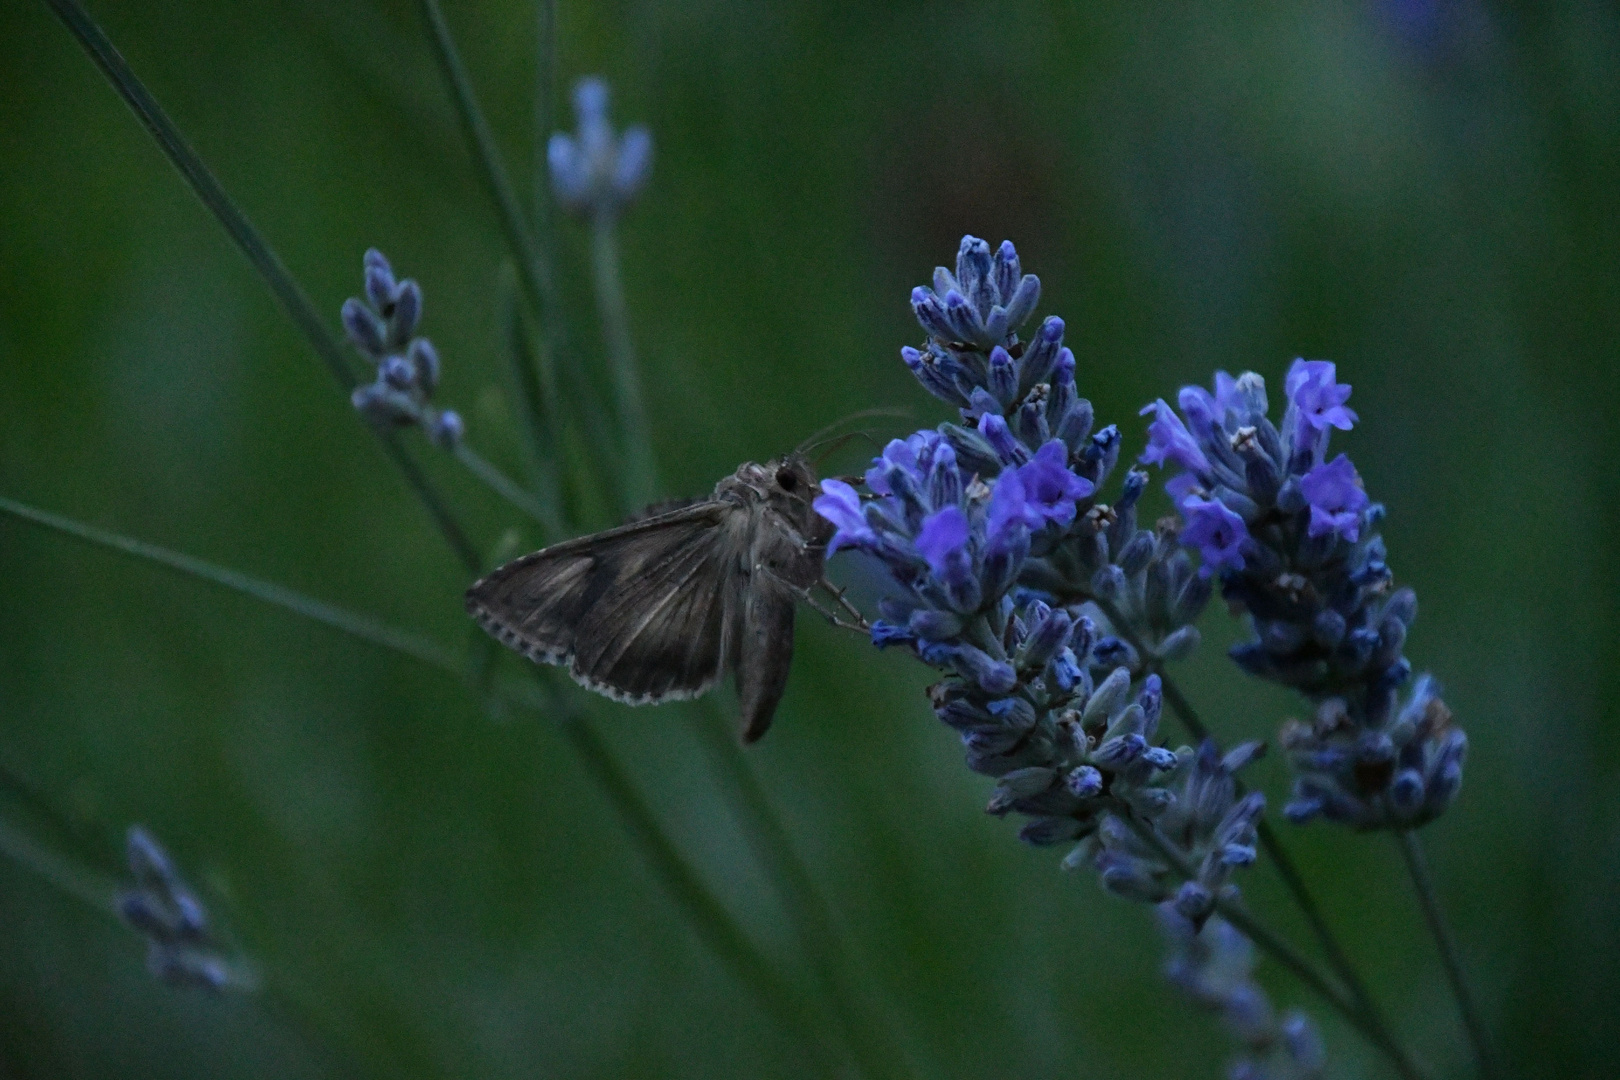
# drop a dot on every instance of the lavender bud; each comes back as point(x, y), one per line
point(1194, 902)
point(1003, 377)
point(1042, 832)
point(1084, 782)
point(634, 163)
point(365, 330)
point(397, 372)
point(1007, 270)
point(407, 312)
point(424, 359)
point(448, 429)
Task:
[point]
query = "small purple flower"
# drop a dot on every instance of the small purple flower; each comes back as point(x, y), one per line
point(1008, 512)
point(1050, 489)
point(840, 504)
point(942, 540)
point(911, 457)
point(1319, 399)
point(1205, 412)
point(1336, 497)
point(1217, 533)
point(1170, 441)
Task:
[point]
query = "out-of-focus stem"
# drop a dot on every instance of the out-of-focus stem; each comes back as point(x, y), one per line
point(1418, 867)
point(639, 479)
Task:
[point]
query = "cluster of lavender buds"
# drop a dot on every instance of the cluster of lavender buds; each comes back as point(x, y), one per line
point(1213, 965)
point(995, 544)
point(382, 327)
point(1292, 537)
point(181, 950)
point(598, 172)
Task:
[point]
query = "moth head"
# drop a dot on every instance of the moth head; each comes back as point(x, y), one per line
point(791, 478)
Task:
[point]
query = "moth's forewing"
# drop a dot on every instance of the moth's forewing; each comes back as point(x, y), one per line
point(661, 607)
point(639, 613)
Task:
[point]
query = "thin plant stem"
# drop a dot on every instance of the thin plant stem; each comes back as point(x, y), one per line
point(534, 268)
point(503, 485)
point(704, 912)
point(1274, 847)
point(359, 626)
point(640, 479)
point(871, 1040)
point(1423, 884)
point(545, 97)
point(1279, 949)
point(89, 888)
point(282, 284)
point(534, 377)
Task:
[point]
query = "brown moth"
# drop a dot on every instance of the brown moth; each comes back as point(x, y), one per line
point(660, 608)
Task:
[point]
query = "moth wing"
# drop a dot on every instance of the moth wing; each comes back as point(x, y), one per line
point(637, 613)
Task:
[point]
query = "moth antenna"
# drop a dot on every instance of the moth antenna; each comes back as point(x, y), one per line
point(815, 440)
point(837, 442)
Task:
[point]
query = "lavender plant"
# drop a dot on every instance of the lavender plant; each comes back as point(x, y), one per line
point(1049, 613)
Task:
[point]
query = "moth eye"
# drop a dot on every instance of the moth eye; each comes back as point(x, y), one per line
point(786, 479)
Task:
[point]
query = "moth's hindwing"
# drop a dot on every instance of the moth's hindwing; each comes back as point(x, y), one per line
point(639, 613)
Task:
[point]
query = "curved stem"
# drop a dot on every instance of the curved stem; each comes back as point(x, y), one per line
point(1418, 867)
point(1284, 953)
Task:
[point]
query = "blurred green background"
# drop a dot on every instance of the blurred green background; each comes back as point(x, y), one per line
point(1427, 193)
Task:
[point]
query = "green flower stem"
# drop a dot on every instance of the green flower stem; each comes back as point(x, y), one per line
point(871, 1040)
point(360, 626)
point(534, 269)
point(640, 481)
point(1235, 913)
point(1418, 867)
point(545, 97)
point(534, 376)
point(89, 888)
point(258, 251)
point(506, 487)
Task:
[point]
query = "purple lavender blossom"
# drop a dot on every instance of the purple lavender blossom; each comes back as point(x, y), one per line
point(1217, 533)
point(1319, 399)
point(1169, 441)
point(1336, 497)
point(840, 504)
point(1008, 511)
point(943, 539)
point(913, 456)
point(1050, 489)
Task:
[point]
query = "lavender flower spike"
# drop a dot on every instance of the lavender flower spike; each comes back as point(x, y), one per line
point(1293, 539)
point(181, 946)
point(596, 171)
point(382, 327)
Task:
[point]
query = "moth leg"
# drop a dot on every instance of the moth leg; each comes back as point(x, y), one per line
point(837, 593)
point(862, 627)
